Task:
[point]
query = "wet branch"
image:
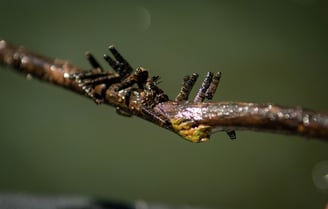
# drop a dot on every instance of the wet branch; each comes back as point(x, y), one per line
point(138, 94)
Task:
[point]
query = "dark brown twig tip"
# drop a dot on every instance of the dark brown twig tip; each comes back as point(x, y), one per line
point(111, 47)
point(200, 97)
point(213, 86)
point(186, 87)
point(93, 61)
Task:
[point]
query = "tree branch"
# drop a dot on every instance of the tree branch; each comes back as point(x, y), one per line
point(138, 94)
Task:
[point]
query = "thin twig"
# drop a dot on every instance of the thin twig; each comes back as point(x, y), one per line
point(138, 94)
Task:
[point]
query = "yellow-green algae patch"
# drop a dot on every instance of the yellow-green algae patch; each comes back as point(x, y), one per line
point(190, 130)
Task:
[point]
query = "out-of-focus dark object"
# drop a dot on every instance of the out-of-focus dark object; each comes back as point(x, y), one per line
point(27, 201)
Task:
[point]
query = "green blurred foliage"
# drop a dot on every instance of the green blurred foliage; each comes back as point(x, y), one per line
point(56, 142)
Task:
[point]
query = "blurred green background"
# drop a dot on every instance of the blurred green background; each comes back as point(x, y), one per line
point(56, 142)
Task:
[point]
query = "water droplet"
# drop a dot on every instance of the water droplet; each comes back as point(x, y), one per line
point(143, 18)
point(306, 119)
point(2, 44)
point(140, 204)
point(320, 175)
point(53, 68)
point(29, 76)
point(66, 75)
point(25, 59)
